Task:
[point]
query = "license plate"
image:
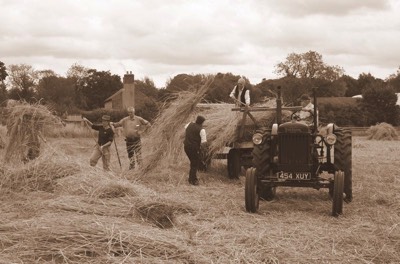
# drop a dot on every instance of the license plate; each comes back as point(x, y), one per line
point(297, 176)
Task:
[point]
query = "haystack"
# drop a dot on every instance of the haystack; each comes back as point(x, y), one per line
point(382, 131)
point(26, 124)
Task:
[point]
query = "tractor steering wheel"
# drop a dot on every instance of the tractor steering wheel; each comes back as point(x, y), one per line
point(296, 116)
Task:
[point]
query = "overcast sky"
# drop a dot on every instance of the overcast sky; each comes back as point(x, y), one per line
point(160, 39)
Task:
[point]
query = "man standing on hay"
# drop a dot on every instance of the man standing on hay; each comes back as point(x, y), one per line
point(132, 126)
point(195, 137)
point(102, 148)
point(241, 94)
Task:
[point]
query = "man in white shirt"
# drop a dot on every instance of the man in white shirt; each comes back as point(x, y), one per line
point(195, 137)
point(306, 114)
point(241, 94)
point(132, 127)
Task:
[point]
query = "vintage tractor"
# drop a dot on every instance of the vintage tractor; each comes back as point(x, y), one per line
point(296, 154)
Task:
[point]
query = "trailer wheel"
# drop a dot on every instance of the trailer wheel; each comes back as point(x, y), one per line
point(337, 202)
point(250, 191)
point(234, 164)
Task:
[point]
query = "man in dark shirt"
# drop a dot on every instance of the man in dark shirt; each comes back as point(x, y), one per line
point(102, 148)
point(195, 135)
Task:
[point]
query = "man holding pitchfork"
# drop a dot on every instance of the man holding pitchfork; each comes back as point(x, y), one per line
point(102, 148)
point(241, 94)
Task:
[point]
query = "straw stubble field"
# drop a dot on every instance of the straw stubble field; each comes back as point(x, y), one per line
point(58, 209)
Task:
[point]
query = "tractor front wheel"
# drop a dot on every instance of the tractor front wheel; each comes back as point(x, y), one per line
point(251, 192)
point(337, 199)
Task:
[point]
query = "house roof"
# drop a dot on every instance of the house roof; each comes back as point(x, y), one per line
point(115, 94)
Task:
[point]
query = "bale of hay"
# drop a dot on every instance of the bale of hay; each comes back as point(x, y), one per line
point(382, 131)
point(26, 124)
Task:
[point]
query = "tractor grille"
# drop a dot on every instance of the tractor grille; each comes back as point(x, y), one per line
point(294, 149)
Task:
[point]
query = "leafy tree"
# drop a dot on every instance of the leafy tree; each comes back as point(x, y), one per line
point(367, 81)
point(351, 85)
point(3, 76)
point(3, 72)
point(3, 93)
point(331, 89)
point(308, 65)
point(379, 103)
point(96, 87)
point(59, 92)
point(185, 82)
point(291, 88)
point(77, 72)
point(145, 99)
point(46, 73)
point(23, 80)
point(394, 81)
point(147, 87)
point(221, 88)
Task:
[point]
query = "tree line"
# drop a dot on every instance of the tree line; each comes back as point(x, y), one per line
point(85, 89)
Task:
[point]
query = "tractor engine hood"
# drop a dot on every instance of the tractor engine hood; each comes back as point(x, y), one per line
point(293, 127)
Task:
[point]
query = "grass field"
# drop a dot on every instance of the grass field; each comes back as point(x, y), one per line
point(58, 209)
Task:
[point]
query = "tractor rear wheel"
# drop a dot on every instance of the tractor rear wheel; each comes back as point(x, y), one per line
point(337, 200)
point(251, 191)
point(234, 164)
point(343, 158)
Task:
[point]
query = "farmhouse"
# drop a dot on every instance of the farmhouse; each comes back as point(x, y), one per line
point(125, 97)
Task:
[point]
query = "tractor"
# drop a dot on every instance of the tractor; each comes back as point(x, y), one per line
point(297, 154)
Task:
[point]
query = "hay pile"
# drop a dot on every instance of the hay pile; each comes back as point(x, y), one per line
point(40, 175)
point(26, 124)
point(382, 131)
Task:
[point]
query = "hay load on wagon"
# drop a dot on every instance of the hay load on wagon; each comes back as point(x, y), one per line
point(26, 124)
point(163, 145)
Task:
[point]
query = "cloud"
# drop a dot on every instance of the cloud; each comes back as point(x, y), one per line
point(329, 7)
point(158, 39)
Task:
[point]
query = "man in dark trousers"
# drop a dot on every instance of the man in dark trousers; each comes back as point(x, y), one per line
point(195, 137)
point(132, 128)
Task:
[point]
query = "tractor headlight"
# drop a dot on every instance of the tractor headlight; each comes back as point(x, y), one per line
point(257, 138)
point(330, 139)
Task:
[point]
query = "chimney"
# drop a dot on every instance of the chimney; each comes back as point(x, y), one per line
point(128, 96)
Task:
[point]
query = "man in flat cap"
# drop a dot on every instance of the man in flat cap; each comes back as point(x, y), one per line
point(195, 137)
point(102, 148)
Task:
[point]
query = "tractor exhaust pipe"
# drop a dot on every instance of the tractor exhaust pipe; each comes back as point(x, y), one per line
point(315, 117)
point(279, 107)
